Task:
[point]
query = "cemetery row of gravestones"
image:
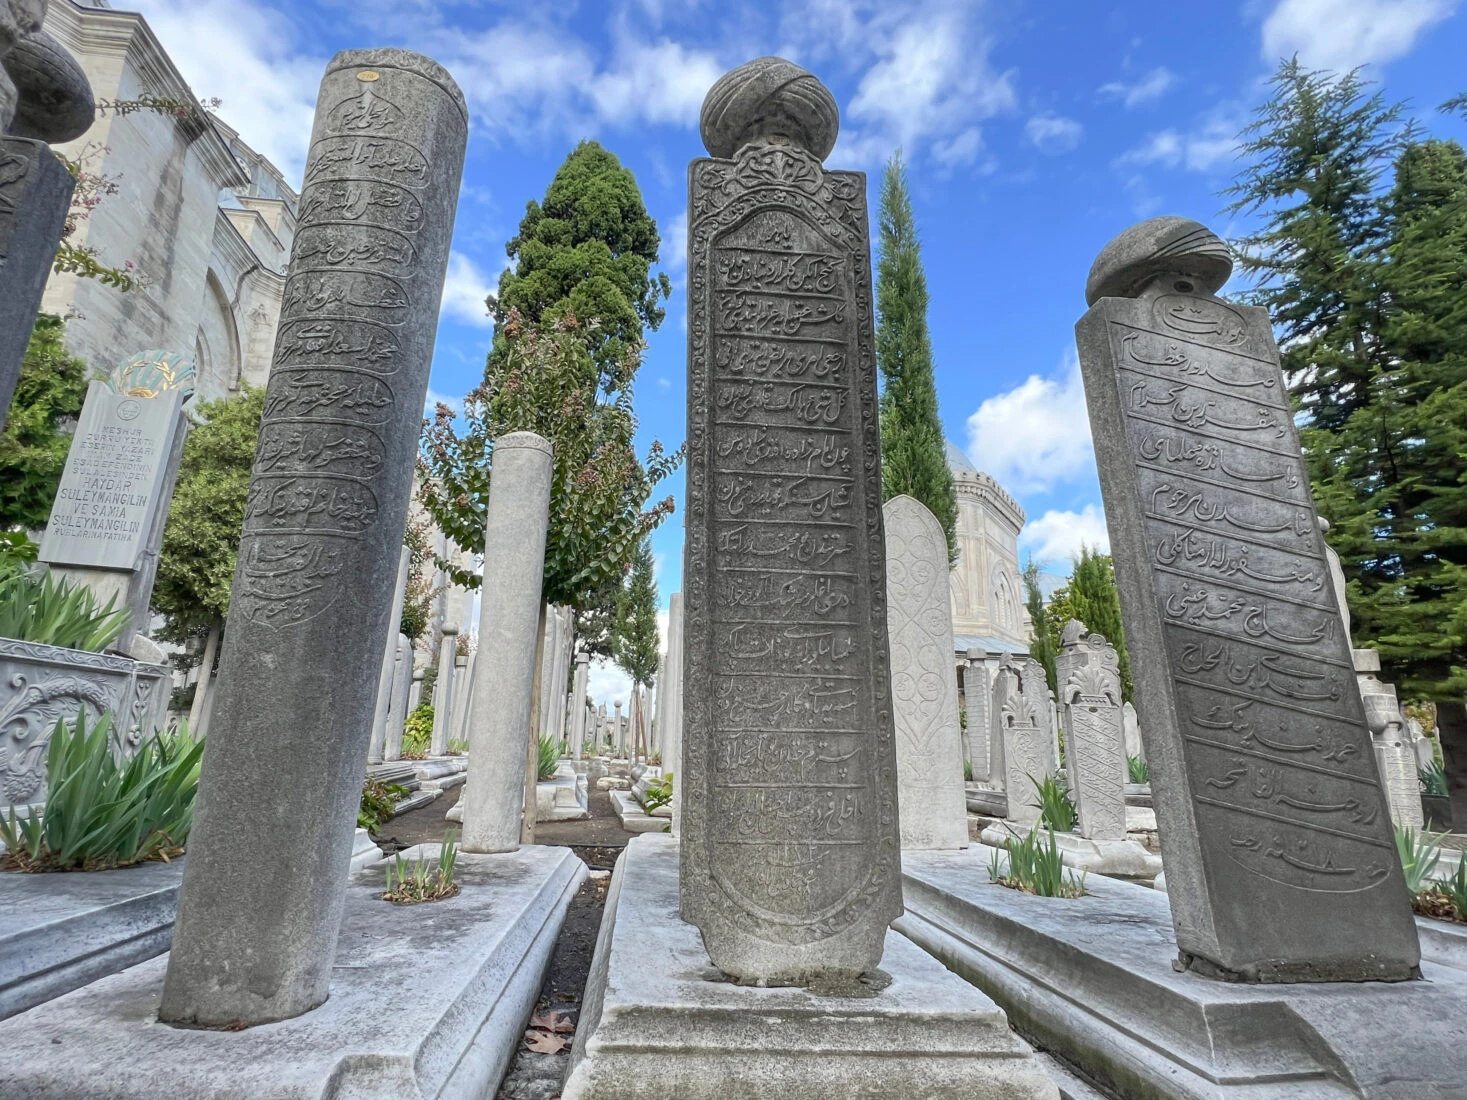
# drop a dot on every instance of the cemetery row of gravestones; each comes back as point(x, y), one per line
point(780, 942)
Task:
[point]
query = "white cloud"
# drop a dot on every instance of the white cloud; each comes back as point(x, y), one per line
point(245, 54)
point(1055, 538)
point(1054, 133)
point(1340, 34)
point(663, 82)
point(607, 683)
point(674, 250)
point(434, 399)
point(1208, 146)
point(960, 149)
point(1035, 435)
point(1153, 84)
point(464, 289)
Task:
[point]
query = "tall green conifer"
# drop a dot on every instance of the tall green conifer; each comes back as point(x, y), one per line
point(913, 451)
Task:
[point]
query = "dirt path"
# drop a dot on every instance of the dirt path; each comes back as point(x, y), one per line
point(598, 841)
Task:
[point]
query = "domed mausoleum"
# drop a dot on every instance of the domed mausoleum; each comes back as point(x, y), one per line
point(987, 589)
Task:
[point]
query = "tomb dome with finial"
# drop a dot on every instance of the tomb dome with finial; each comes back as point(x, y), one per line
point(769, 99)
point(986, 581)
point(1160, 246)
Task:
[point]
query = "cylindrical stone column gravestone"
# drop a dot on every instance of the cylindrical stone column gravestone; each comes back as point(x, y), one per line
point(443, 689)
point(619, 735)
point(415, 693)
point(263, 886)
point(389, 659)
point(509, 618)
point(398, 708)
point(578, 704)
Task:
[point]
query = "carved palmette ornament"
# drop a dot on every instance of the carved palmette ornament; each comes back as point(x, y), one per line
point(1090, 693)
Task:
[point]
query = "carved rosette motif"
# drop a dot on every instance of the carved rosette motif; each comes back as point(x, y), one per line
point(790, 843)
point(1090, 692)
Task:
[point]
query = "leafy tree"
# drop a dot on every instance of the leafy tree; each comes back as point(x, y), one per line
point(201, 538)
point(51, 388)
point(598, 487)
point(1361, 259)
point(1045, 643)
point(913, 451)
point(417, 604)
point(1092, 597)
point(586, 250)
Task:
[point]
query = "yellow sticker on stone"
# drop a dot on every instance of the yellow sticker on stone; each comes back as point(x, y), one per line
point(368, 76)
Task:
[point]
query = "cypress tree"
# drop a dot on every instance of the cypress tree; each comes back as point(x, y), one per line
point(635, 637)
point(33, 447)
point(913, 452)
point(1094, 599)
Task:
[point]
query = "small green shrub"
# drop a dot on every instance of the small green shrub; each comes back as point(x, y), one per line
point(417, 733)
point(412, 881)
point(1056, 807)
point(379, 800)
point(103, 808)
point(1036, 867)
point(457, 746)
point(37, 607)
point(967, 771)
point(1419, 856)
point(1454, 890)
point(1137, 770)
point(549, 758)
point(658, 794)
point(1433, 779)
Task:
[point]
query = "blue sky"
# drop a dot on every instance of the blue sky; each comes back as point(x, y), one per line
point(1034, 132)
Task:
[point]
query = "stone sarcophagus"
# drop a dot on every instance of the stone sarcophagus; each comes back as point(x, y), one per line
point(43, 684)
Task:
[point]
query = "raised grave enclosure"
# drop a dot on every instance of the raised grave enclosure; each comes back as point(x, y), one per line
point(1281, 864)
point(790, 858)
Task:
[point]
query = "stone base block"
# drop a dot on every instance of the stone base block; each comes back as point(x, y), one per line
point(562, 797)
point(455, 812)
point(1090, 979)
point(363, 851)
point(419, 798)
point(634, 819)
point(660, 1022)
point(1118, 858)
point(476, 962)
point(988, 802)
point(60, 931)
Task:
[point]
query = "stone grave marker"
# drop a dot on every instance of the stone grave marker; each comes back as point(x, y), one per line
point(1088, 670)
point(1021, 713)
point(790, 839)
point(1279, 855)
point(263, 888)
point(924, 689)
point(975, 701)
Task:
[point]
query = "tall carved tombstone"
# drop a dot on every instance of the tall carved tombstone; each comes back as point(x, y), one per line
point(790, 847)
point(1279, 855)
point(1021, 711)
point(1088, 670)
point(44, 97)
point(263, 889)
point(924, 690)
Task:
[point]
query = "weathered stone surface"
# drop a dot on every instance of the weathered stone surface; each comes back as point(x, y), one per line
point(924, 690)
point(472, 967)
point(378, 742)
point(443, 689)
point(509, 620)
point(35, 194)
point(1088, 670)
point(655, 1026)
point(975, 703)
point(53, 96)
point(789, 811)
point(59, 932)
point(578, 704)
point(398, 707)
point(1131, 730)
point(673, 759)
point(1023, 726)
point(1091, 979)
point(43, 684)
point(769, 98)
point(282, 774)
point(1280, 860)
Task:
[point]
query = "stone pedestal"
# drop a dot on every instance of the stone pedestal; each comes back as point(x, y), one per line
point(1092, 980)
point(477, 961)
point(660, 1021)
point(1123, 858)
